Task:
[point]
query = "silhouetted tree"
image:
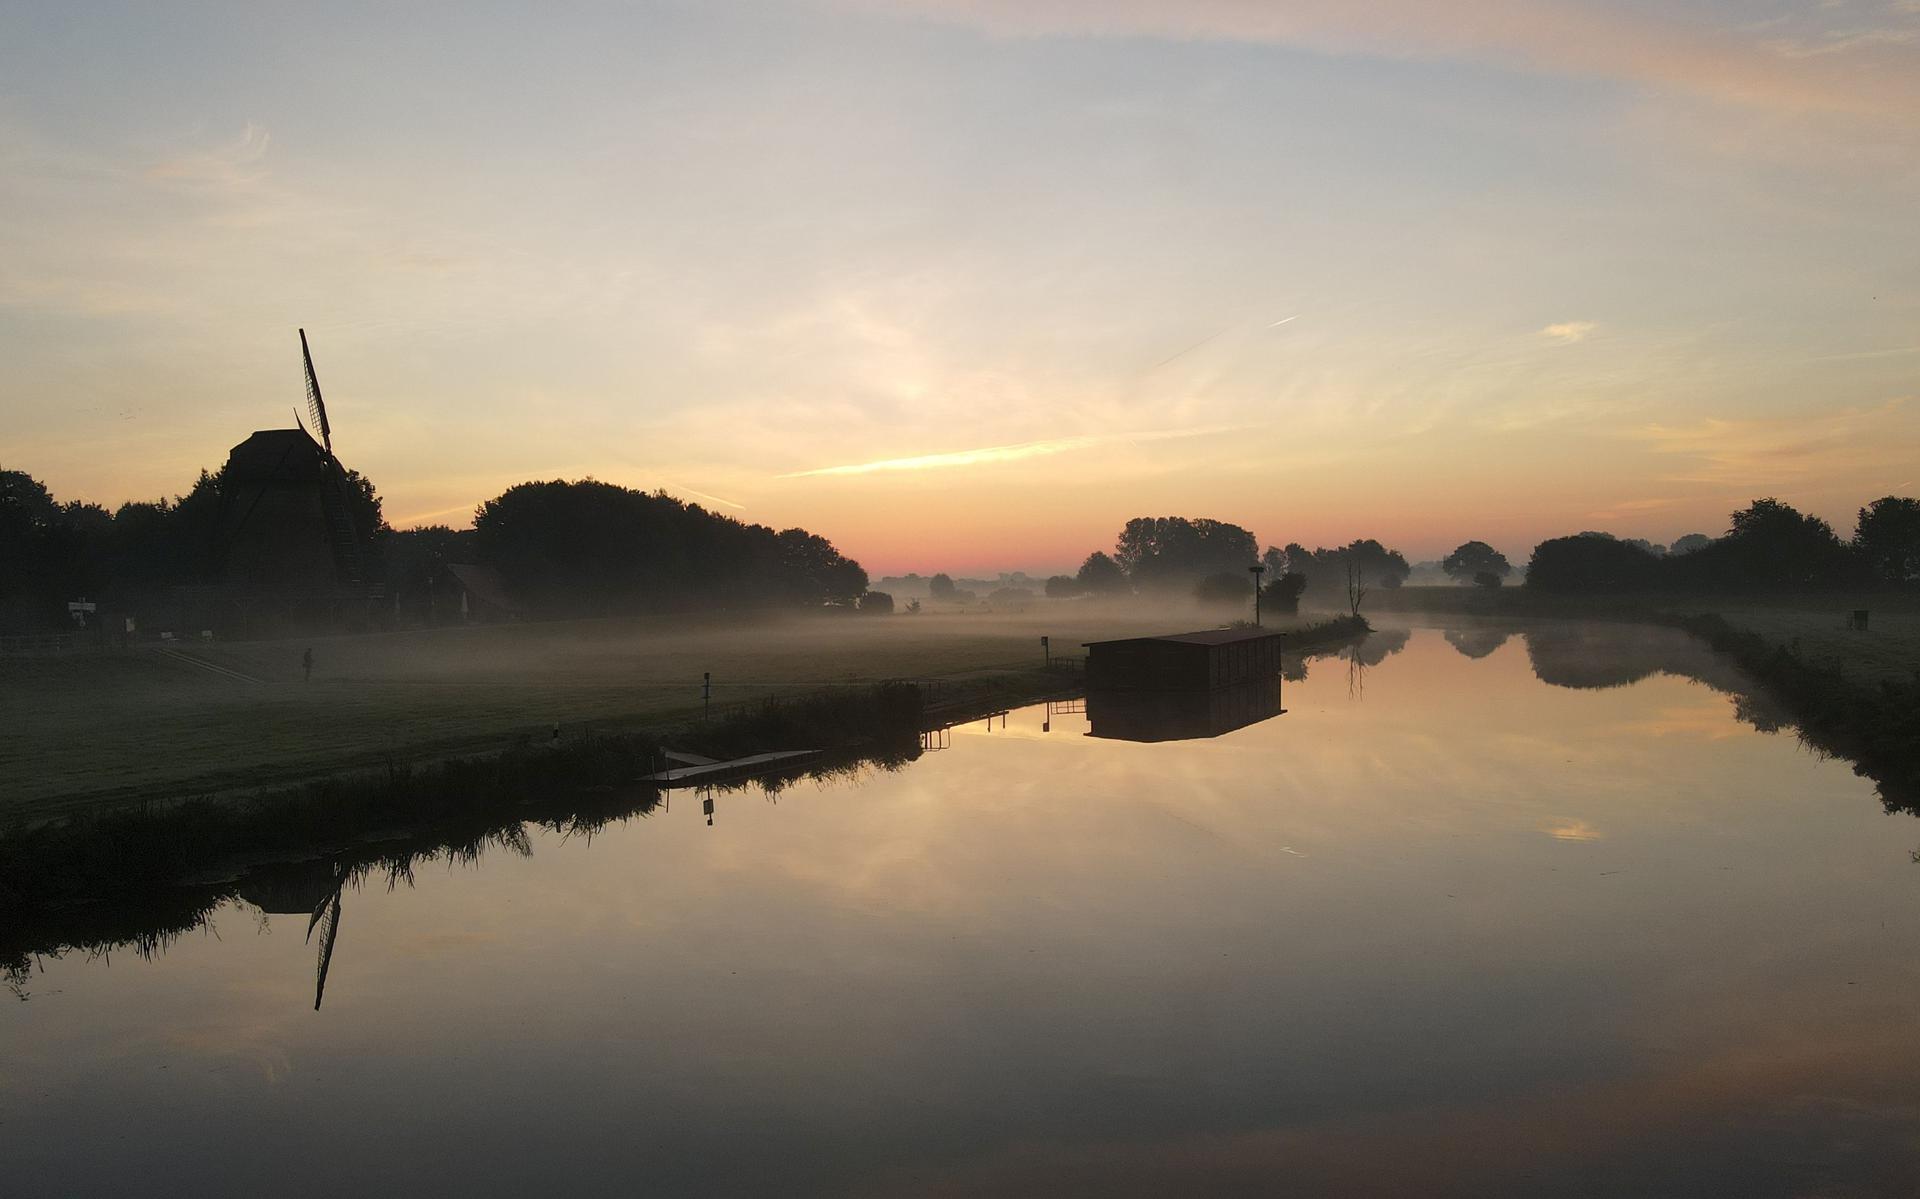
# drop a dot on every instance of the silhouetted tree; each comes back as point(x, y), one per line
point(1887, 537)
point(43, 558)
point(1101, 575)
point(1474, 558)
point(1173, 551)
point(1589, 563)
point(1688, 544)
point(1356, 577)
point(1283, 594)
point(940, 587)
point(876, 603)
point(1063, 587)
point(1771, 544)
point(1487, 579)
point(591, 548)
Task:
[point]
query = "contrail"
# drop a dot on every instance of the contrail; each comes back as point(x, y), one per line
point(1210, 339)
point(714, 499)
point(1207, 340)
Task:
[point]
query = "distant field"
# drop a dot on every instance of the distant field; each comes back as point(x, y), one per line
point(81, 730)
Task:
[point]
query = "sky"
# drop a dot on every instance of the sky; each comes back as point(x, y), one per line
point(965, 284)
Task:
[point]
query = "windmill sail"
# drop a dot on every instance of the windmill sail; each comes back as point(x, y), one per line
point(316, 407)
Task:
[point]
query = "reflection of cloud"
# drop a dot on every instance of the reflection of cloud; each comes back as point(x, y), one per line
point(999, 453)
point(1571, 830)
point(1568, 332)
point(1704, 722)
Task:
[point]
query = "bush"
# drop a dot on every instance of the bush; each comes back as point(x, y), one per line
point(878, 603)
point(1283, 594)
point(1487, 579)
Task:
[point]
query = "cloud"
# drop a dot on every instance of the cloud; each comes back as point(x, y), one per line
point(999, 453)
point(1833, 445)
point(234, 164)
point(1568, 332)
point(1860, 69)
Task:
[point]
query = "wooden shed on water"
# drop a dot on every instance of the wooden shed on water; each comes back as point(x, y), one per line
point(1199, 661)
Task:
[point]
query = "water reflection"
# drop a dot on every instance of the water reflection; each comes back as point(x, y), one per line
point(1477, 642)
point(1509, 927)
point(1180, 715)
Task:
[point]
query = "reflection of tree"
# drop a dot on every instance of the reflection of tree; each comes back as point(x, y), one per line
point(147, 922)
point(1476, 643)
point(1376, 647)
point(1602, 654)
point(1599, 655)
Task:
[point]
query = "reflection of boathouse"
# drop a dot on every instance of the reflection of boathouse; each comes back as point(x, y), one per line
point(1184, 661)
point(1180, 715)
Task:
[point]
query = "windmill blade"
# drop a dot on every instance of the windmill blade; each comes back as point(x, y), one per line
point(329, 930)
point(316, 407)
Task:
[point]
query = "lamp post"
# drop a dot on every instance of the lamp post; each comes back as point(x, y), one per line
point(1256, 571)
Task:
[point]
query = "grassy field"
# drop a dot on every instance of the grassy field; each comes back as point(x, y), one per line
point(85, 730)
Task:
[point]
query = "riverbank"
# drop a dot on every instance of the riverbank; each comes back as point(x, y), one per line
point(66, 883)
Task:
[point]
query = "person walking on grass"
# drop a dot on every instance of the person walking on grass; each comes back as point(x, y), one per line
point(306, 664)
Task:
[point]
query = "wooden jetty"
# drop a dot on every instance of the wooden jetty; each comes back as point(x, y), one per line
point(692, 770)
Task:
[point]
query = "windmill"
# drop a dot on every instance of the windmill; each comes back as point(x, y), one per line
point(288, 543)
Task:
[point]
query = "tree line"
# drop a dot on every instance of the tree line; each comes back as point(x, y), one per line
point(1210, 560)
point(579, 548)
point(1768, 546)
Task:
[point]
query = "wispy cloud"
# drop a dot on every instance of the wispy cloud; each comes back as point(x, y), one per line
point(1781, 451)
point(1568, 332)
point(986, 455)
point(239, 162)
point(1863, 69)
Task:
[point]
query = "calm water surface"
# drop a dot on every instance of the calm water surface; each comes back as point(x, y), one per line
point(1532, 914)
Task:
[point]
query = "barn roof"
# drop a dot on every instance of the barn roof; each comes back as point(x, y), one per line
point(1203, 637)
point(484, 584)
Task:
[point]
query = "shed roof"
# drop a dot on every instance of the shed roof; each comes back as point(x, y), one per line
point(1203, 637)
